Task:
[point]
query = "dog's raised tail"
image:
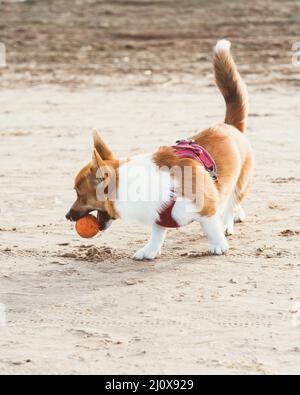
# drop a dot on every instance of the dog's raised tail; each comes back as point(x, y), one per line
point(231, 86)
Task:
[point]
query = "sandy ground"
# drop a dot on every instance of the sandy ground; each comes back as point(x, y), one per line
point(106, 313)
point(145, 41)
point(86, 307)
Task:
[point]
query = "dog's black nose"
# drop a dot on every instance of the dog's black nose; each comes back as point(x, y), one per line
point(74, 215)
point(69, 216)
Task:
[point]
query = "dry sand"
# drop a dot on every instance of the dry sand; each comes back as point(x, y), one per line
point(86, 307)
point(73, 309)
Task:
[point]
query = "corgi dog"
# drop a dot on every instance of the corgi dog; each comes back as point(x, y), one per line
point(203, 179)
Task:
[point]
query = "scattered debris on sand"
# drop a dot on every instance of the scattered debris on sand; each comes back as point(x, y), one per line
point(93, 254)
point(289, 232)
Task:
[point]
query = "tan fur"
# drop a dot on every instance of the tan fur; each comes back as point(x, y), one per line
point(233, 89)
point(234, 160)
point(85, 181)
point(103, 150)
point(165, 157)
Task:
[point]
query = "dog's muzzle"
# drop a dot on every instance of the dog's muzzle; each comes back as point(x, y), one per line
point(73, 215)
point(103, 217)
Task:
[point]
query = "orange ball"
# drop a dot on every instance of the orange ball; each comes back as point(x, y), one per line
point(87, 227)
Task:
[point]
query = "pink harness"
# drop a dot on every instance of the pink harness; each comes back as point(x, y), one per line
point(186, 149)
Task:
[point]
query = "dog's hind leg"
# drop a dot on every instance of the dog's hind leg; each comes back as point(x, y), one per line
point(240, 214)
point(228, 215)
point(213, 228)
point(242, 187)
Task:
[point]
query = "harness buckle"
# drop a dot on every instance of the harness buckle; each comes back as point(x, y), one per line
point(188, 140)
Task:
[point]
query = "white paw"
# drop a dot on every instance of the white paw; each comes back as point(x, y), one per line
point(240, 215)
point(147, 252)
point(229, 229)
point(219, 248)
point(228, 225)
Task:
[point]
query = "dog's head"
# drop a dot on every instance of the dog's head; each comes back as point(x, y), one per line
point(96, 185)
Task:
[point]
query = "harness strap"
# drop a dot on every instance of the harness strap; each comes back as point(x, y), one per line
point(188, 149)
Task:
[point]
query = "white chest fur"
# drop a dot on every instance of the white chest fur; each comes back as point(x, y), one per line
point(144, 189)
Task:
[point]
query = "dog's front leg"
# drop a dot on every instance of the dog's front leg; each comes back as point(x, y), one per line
point(152, 249)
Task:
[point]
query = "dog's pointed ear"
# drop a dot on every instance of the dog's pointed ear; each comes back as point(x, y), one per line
point(97, 161)
point(103, 150)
